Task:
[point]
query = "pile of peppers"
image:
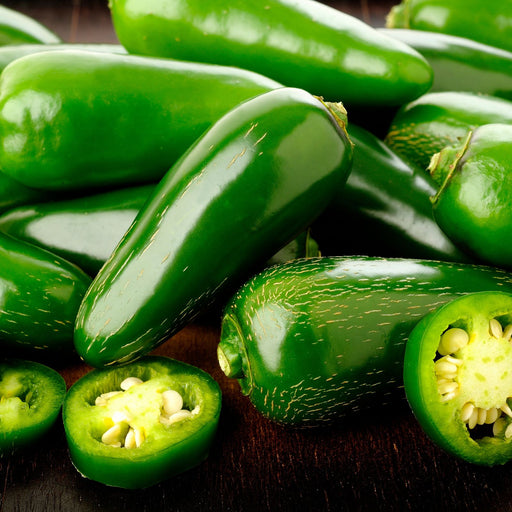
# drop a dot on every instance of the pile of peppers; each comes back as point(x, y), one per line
point(233, 164)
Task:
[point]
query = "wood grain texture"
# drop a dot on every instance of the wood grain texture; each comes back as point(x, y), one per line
point(381, 460)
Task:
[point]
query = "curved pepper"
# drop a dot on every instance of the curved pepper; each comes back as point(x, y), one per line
point(248, 186)
point(13, 193)
point(461, 64)
point(436, 120)
point(457, 377)
point(139, 424)
point(314, 340)
point(40, 294)
point(487, 22)
point(299, 43)
point(31, 395)
point(18, 28)
point(472, 204)
point(384, 208)
point(79, 119)
point(12, 52)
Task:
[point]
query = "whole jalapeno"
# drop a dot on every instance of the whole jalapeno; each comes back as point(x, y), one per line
point(457, 376)
point(247, 187)
point(318, 340)
point(40, 294)
point(18, 28)
point(136, 425)
point(487, 22)
point(472, 204)
point(299, 43)
point(76, 119)
point(439, 119)
point(31, 396)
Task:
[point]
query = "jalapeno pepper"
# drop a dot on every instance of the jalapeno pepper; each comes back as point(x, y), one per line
point(40, 294)
point(459, 63)
point(457, 376)
point(31, 395)
point(136, 425)
point(299, 43)
point(384, 208)
point(13, 193)
point(120, 119)
point(251, 184)
point(487, 22)
point(436, 120)
point(12, 52)
point(313, 341)
point(18, 28)
point(472, 204)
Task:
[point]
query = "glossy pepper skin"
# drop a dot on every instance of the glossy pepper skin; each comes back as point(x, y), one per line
point(457, 378)
point(86, 230)
point(459, 63)
point(436, 120)
point(31, 399)
point(166, 449)
point(299, 43)
point(76, 119)
point(40, 294)
point(247, 187)
point(312, 341)
point(13, 193)
point(384, 208)
point(487, 22)
point(15, 51)
point(472, 204)
point(18, 28)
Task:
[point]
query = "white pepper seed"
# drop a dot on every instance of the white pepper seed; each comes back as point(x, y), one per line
point(492, 415)
point(495, 328)
point(129, 382)
point(508, 431)
point(447, 386)
point(113, 435)
point(482, 416)
point(466, 411)
point(473, 418)
point(507, 332)
point(452, 340)
point(172, 402)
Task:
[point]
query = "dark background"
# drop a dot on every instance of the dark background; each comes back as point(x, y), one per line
point(381, 460)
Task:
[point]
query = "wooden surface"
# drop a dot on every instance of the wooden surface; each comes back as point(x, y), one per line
point(379, 461)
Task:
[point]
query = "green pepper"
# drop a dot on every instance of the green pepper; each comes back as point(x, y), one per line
point(86, 230)
point(436, 120)
point(120, 119)
point(18, 28)
point(13, 193)
point(384, 208)
point(473, 202)
point(461, 64)
point(16, 51)
point(312, 341)
point(31, 395)
point(457, 376)
point(247, 187)
point(40, 294)
point(487, 22)
point(299, 43)
point(136, 425)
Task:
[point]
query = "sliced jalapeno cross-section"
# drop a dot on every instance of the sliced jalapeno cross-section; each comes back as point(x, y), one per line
point(458, 377)
point(136, 425)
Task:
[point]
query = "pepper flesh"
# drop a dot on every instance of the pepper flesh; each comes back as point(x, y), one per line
point(166, 449)
point(469, 421)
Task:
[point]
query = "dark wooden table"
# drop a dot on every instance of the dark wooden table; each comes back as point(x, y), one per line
point(381, 460)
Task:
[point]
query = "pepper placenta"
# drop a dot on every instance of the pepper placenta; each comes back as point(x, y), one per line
point(384, 208)
point(247, 187)
point(457, 376)
point(299, 43)
point(436, 120)
point(472, 204)
point(461, 64)
point(18, 28)
point(31, 395)
point(487, 22)
point(40, 294)
point(136, 425)
point(314, 340)
point(120, 119)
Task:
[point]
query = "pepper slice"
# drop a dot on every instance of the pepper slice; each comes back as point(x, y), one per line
point(136, 425)
point(457, 376)
point(31, 395)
